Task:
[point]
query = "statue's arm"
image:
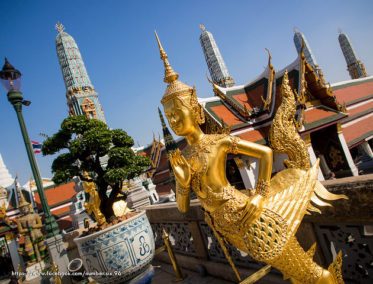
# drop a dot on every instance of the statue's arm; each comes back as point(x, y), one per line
point(182, 198)
point(20, 228)
point(262, 153)
point(182, 172)
point(38, 224)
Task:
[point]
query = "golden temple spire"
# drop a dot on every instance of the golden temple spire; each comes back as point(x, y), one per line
point(169, 74)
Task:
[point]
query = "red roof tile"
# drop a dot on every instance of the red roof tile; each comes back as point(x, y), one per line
point(257, 135)
point(356, 132)
point(226, 115)
point(59, 194)
point(243, 100)
point(360, 109)
point(316, 114)
point(61, 211)
point(254, 95)
point(320, 115)
point(354, 93)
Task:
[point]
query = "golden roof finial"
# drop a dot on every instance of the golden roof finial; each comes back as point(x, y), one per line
point(175, 87)
point(269, 57)
point(169, 74)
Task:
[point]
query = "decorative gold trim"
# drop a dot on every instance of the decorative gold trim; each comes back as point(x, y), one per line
point(313, 103)
point(271, 76)
point(262, 187)
point(339, 128)
point(283, 135)
point(184, 191)
point(307, 139)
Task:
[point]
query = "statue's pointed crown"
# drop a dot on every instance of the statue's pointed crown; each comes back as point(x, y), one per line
point(22, 201)
point(175, 87)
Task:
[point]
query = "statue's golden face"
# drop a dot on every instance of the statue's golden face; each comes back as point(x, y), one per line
point(179, 116)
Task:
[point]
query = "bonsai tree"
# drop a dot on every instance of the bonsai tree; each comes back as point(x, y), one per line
point(94, 153)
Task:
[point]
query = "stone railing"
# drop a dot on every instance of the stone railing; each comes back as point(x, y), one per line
point(347, 226)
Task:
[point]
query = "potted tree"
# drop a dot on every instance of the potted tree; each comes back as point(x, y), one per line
point(120, 247)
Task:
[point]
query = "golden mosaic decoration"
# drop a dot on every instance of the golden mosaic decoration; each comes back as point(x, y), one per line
point(283, 135)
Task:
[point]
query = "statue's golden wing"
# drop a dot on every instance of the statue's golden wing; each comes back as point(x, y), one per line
point(293, 194)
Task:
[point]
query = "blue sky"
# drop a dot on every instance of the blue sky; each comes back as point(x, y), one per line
point(116, 40)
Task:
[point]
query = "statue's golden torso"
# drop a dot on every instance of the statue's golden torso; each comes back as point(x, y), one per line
point(207, 160)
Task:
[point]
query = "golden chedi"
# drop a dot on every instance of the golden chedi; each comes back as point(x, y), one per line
point(262, 224)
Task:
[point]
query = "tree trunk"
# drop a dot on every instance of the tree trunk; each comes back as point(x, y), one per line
point(106, 205)
point(107, 209)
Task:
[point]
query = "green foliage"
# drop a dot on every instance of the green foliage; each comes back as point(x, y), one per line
point(86, 143)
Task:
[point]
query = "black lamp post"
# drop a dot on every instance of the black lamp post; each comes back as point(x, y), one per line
point(11, 79)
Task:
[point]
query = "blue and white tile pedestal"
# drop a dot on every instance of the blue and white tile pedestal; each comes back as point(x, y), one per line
point(119, 253)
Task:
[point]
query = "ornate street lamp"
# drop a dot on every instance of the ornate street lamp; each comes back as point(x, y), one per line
point(11, 79)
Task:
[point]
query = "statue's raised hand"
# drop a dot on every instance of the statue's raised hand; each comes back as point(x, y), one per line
point(181, 168)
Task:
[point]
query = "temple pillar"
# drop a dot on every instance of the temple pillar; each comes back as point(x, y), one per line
point(346, 151)
point(313, 158)
point(365, 147)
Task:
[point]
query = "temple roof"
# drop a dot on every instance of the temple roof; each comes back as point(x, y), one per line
point(57, 195)
point(354, 91)
point(243, 106)
point(358, 130)
point(357, 95)
point(321, 116)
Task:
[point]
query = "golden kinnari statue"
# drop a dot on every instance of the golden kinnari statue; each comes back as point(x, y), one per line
point(262, 224)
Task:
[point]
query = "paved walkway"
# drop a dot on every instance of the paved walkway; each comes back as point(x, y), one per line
point(164, 274)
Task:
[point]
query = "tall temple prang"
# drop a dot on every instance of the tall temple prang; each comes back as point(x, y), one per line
point(354, 66)
point(82, 99)
point(299, 40)
point(218, 71)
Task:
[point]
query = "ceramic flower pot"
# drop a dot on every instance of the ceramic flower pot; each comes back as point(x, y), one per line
point(119, 253)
